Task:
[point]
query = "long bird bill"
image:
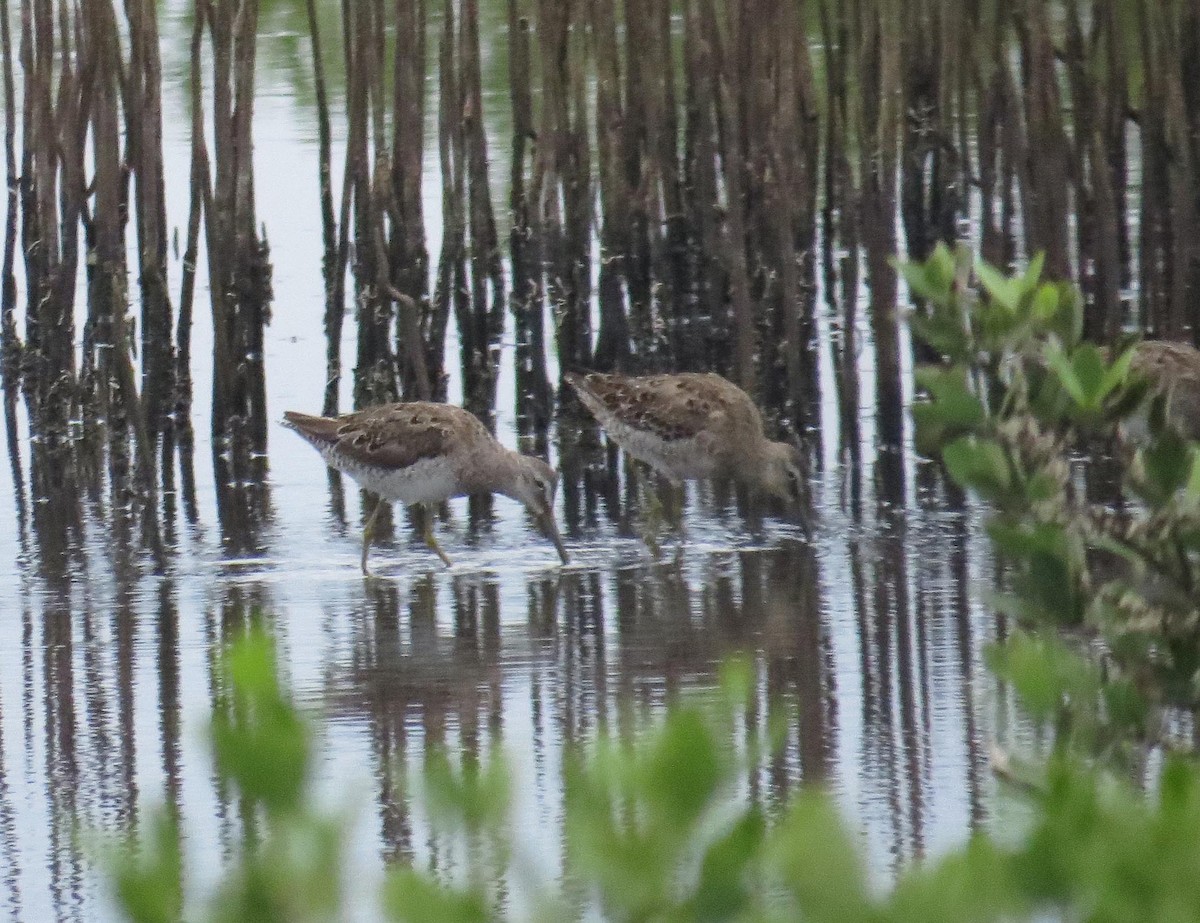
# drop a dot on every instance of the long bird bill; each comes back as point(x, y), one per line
point(547, 524)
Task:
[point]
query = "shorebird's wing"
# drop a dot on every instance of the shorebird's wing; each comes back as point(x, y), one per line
point(392, 436)
point(672, 407)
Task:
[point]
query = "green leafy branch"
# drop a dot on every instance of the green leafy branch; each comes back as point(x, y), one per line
point(1017, 396)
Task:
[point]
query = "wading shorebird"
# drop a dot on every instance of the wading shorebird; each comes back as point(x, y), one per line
point(422, 453)
point(1174, 371)
point(692, 426)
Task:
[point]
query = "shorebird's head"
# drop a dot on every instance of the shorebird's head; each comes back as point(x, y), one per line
point(534, 485)
point(781, 473)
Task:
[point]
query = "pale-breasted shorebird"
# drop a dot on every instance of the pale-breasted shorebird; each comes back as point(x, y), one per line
point(422, 453)
point(692, 426)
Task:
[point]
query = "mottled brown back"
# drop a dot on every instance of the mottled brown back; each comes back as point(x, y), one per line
point(671, 407)
point(392, 436)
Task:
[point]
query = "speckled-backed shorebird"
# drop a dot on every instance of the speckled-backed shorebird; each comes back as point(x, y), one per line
point(423, 453)
point(1174, 370)
point(692, 426)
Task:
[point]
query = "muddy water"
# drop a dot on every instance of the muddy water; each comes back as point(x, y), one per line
point(872, 625)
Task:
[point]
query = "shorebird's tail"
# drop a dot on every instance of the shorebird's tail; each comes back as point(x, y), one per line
point(593, 390)
point(581, 387)
point(315, 429)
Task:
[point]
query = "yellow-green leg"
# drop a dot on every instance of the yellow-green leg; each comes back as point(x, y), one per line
point(677, 494)
point(430, 538)
point(368, 534)
point(674, 514)
point(652, 511)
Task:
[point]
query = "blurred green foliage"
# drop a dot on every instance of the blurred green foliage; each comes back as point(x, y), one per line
point(1015, 409)
point(291, 863)
point(658, 828)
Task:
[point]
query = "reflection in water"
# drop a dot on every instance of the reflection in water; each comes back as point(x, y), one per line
point(866, 635)
point(243, 500)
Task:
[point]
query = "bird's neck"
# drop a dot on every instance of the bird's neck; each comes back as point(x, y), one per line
point(493, 470)
point(755, 455)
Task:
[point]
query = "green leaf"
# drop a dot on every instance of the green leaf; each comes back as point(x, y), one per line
point(632, 871)
point(737, 680)
point(1045, 673)
point(1003, 290)
point(921, 281)
point(1041, 487)
point(930, 436)
point(1168, 462)
point(951, 411)
point(974, 884)
point(1033, 272)
point(410, 896)
point(1045, 304)
point(149, 881)
point(723, 891)
point(1062, 366)
point(682, 769)
point(1193, 484)
point(980, 465)
point(953, 403)
point(943, 332)
point(1110, 545)
point(1088, 365)
point(259, 740)
point(1118, 372)
point(1068, 323)
point(818, 863)
point(1047, 582)
point(941, 267)
point(474, 797)
point(932, 280)
point(1125, 705)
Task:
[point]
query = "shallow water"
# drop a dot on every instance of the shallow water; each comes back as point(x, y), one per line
point(873, 625)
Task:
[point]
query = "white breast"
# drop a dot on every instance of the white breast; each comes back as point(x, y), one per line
point(430, 480)
point(678, 459)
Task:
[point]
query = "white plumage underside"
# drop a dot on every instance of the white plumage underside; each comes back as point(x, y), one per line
point(430, 480)
point(678, 459)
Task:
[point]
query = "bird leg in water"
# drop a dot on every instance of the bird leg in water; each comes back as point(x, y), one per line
point(677, 494)
point(369, 533)
point(674, 494)
point(652, 510)
point(430, 539)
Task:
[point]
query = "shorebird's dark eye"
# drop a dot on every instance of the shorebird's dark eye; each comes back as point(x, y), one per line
point(795, 482)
